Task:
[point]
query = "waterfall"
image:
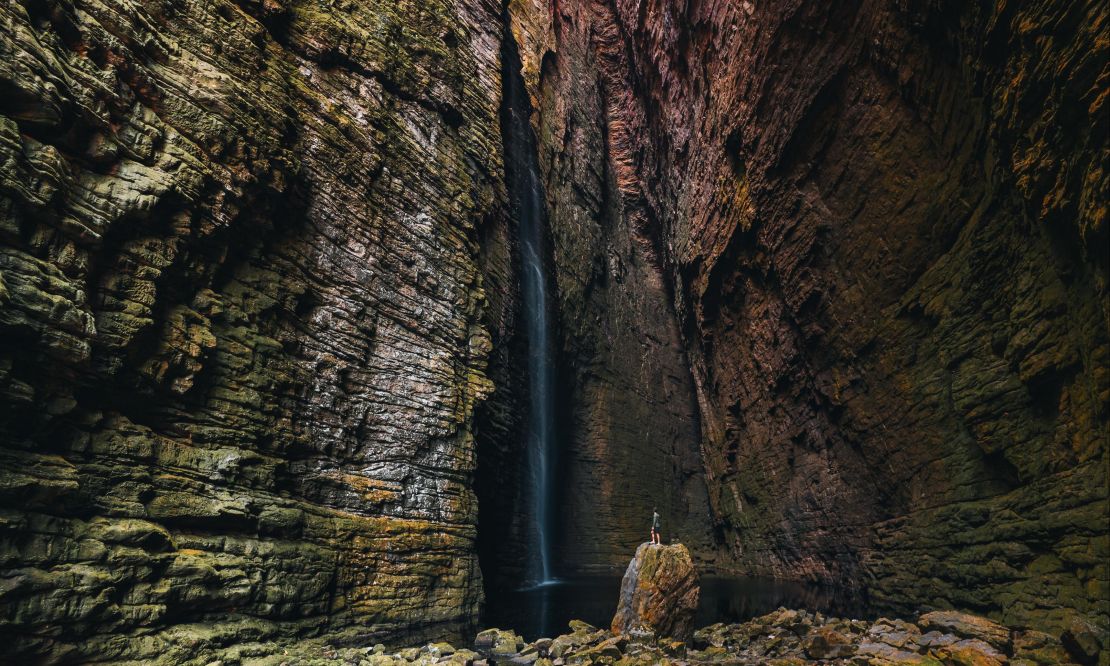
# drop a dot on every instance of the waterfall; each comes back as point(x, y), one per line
point(527, 199)
point(541, 416)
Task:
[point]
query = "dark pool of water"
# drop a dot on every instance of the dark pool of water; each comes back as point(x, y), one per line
point(545, 611)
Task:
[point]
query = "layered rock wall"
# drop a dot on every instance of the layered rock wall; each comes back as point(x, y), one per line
point(883, 230)
point(627, 429)
point(505, 482)
point(629, 434)
point(243, 326)
point(830, 288)
point(631, 440)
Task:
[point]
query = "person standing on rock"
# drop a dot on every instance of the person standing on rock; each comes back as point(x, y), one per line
point(655, 527)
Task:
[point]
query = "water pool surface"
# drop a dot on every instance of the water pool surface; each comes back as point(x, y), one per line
point(544, 611)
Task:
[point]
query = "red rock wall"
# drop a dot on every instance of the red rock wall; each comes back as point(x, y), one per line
point(629, 437)
point(882, 230)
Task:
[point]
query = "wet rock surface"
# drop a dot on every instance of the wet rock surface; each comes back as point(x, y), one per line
point(659, 593)
point(629, 433)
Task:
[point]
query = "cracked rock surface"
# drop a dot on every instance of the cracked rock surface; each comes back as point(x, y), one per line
point(659, 593)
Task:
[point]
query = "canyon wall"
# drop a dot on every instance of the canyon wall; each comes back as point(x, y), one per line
point(243, 322)
point(829, 282)
point(629, 440)
point(881, 227)
point(627, 431)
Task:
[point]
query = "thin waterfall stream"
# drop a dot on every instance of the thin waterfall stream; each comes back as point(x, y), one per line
point(527, 198)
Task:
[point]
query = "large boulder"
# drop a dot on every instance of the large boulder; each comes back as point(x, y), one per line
point(659, 592)
point(498, 643)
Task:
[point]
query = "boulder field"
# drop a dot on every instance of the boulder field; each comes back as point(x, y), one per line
point(781, 638)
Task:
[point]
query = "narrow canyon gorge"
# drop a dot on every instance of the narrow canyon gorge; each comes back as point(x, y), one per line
point(338, 320)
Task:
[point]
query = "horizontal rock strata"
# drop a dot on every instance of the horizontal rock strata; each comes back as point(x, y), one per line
point(882, 230)
point(242, 325)
point(629, 441)
point(830, 283)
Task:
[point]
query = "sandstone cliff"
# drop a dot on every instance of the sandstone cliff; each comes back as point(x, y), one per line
point(882, 229)
point(242, 319)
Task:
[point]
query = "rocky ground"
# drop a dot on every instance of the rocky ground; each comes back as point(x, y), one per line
point(783, 637)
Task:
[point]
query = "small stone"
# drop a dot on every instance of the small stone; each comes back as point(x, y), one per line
point(935, 639)
point(971, 652)
point(827, 643)
point(542, 646)
point(1082, 640)
point(462, 657)
point(881, 653)
point(673, 648)
point(1037, 647)
point(558, 648)
point(966, 625)
point(605, 650)
point(440, 649)
point(409, 654)
point(498, 643)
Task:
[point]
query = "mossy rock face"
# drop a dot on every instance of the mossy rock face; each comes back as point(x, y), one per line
point(242, 323)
